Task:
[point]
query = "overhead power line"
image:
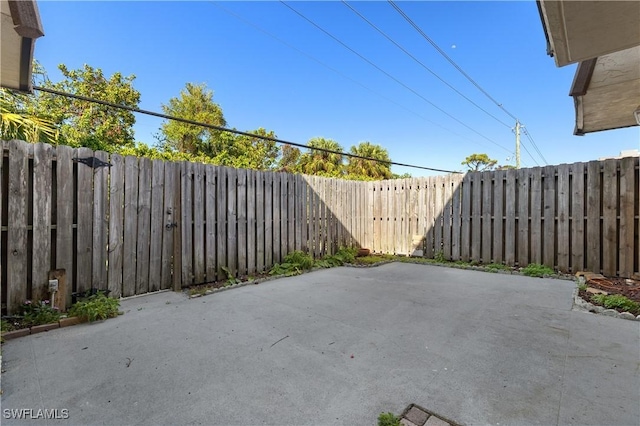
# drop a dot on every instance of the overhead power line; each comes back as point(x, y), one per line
point(456, 66)
point(224, 129)
point(535, 146)
point(423, 65)
point(392, 77)
point(251, 24)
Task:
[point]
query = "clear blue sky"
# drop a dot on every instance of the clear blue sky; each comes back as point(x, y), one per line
point(262, 82)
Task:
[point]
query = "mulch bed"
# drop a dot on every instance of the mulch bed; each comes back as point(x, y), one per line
point(613, 285)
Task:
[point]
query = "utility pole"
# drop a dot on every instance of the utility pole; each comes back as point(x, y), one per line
point(517, 144)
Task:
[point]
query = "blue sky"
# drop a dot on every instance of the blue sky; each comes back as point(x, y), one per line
point(301, 84)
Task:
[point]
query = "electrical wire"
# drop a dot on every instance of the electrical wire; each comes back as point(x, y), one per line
point(318, 61)
point(423, 65)
point(535, 146)
point(392, 77)
point(456, 66)
point(224, 129)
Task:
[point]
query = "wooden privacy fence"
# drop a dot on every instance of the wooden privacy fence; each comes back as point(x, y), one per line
point(581, 216)
point(138, 225)
point(142, 225)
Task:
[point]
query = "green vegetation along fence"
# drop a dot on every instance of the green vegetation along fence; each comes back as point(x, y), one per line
point(135, 225)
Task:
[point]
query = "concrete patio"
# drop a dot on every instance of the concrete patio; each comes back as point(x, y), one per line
point(338, 346)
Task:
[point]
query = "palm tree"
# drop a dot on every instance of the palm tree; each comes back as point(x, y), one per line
point(368, 169)
point(322, 163)
point(16, 124)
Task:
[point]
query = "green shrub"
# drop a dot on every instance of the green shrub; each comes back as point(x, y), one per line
point(616, 301)
point(95, 307)
point(6, 326)
point(293, 264)
point(537, 270)
point(388, 419)
point(494, 267)
point(36, 313)
point(439, 257)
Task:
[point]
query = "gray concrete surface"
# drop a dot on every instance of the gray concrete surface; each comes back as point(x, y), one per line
point(476, 347)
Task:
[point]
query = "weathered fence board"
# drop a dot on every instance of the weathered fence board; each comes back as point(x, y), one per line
point(84, 220)
point(157, 224)
point(593, 215)
point(144, 226)
point(510, 229)
point(130, 236)
point(232, 221)
point(523, 217)
point(64, 216)
point(171, 218)
point(198, 223)
point(562, 239)
point(42, 162)
point(487, 195)
point(211, 261)
point(221, 224)
point(498, 217)
point(116, 224)
point(628, 192)
point(251, 222)
point(100, 224)
point(260, 215)
point(609, 216)
point(577, 217)
point(242, 222)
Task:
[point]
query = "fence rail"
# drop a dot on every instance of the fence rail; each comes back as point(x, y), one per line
point(141, 225)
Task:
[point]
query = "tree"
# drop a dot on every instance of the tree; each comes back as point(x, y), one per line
point(194, 103)
point(83, 123)
point(479, 162)
point(322, 163)
point(246, 152)
point(290, 160)
point(359, 168)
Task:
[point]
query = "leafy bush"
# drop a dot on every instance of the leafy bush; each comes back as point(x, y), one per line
point(616, 301)
point(36, 313)
point(371, 259)
point(388, 419)
point(342, 256)
point(439, 257)
point(537, 270)
point(95, 307)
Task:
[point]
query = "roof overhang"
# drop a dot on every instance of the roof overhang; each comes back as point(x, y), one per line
point(603, 37)
point(582, 30)
point(20, 27)
point(606, 91)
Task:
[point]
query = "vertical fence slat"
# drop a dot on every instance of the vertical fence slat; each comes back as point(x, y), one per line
point(157, 224)
point(276, 218)
point(593, 216)
point(17, 226)
point(84, 218)
point(609, 213)
point(170, 221)
point(269, 241)
point(456, 223)
point(210, 198)
point(510, 218)
point(130, 236)
point(536, 215)
point(284, 218)
point(144, 226)
point(186, 237)
point(549, 237)
point(198, 223)
point(446, 218)
point(251, 222)
point(577, 217)
point(41, 263)
point(64, 216)
point(242, 221)
point(563, 242)
point(465, 234)
point(487, 203)
point(498, 213)
point(261, 242)
point(627, 198)
point(116, 224)
point(232, 221)
point(523, 217)
point(221, 224)
point(297, 203)
point(100, 229)
point(476, 225)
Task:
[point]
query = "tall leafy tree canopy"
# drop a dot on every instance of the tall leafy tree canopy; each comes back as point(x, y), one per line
point(479, 162)
point(195, 102)
point(359, 168)
point(322, 163)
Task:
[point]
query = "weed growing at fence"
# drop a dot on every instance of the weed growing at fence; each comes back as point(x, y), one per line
point(388, 419)
point(495, 267)
point(617, 301)
point(95, 307)
point(6, 326)
point(293, 264)
point(373, 259)
point(37, 313)
point(231, 279)
point(439, 257)
point(537, 270)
